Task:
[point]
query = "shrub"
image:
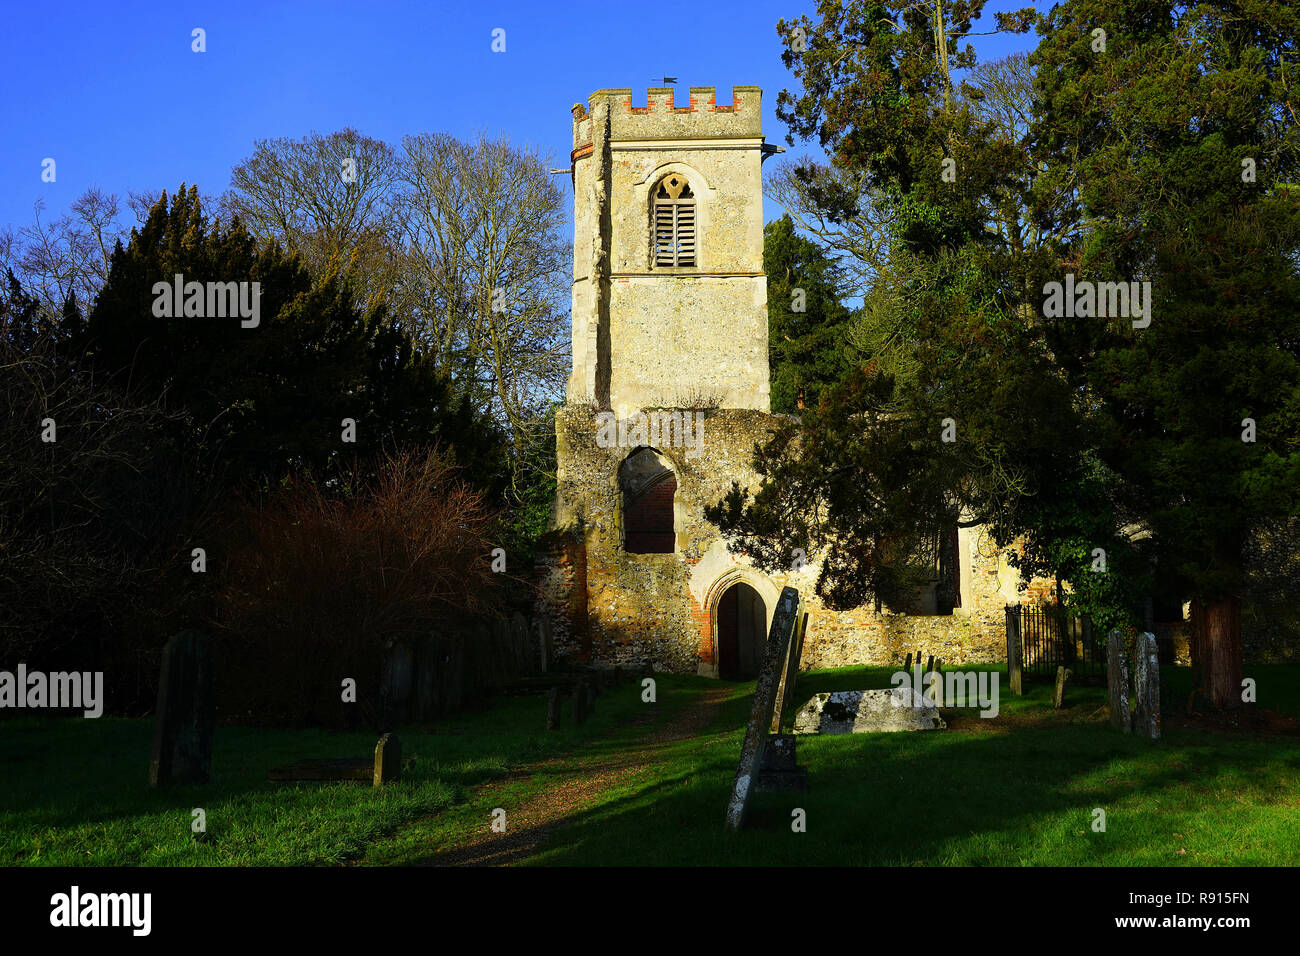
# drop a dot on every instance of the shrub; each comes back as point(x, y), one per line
point(323, 577)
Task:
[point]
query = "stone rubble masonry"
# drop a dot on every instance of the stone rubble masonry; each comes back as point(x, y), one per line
point(647, 338)
point(610, 608)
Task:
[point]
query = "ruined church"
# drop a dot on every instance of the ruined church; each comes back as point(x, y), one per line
point(667, 398)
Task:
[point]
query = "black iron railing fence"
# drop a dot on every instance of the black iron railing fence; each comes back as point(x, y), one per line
point(1050, 637)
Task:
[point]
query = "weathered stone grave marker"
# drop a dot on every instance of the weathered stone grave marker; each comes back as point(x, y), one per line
point(1014, 677)
point(385, 767)
point(553, 709)
point(183, 725)
point(1117, 682)
point(1063, 674)
point(780, 770)
point(1134, 693)
point(771, 676)
point(868, 712)
point(1146, 687)
point(388, 760)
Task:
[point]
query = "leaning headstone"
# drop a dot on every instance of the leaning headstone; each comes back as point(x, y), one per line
point(1117, 682)
point(182, 737)
point(553, 709)
point(388, 760)
point(780, 770)
point(789, 678)
point(760, 715)
point(1146, 687)
point(867, 712)
point(1062, 677)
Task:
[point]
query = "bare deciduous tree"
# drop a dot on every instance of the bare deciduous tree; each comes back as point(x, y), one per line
point(68, 255)
point(832, 206)
point(482, 223)
point(461, 240)
point(328, 198)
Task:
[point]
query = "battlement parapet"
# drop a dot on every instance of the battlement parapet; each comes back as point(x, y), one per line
point(702, 117)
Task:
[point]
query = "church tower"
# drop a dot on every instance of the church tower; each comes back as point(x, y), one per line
point(669, 296)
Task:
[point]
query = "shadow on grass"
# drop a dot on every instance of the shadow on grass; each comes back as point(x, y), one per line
point(1023, 795)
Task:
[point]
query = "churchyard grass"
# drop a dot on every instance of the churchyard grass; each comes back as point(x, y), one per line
point(74, 791)
point(1015, 790)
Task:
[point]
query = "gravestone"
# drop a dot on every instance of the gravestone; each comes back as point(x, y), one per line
point(867, 712)
point(385, 767)
point(780, 770)
point(1062, 678)
point(789, 676)
point(1146, 687)
point(760, 716)
point(1013, 649)
point(183, 725)
point(553, 709)
point(1117, 682)
point(388, 760)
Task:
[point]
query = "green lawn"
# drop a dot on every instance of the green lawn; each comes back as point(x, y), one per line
point(1015, 791)
point(1019, 789)
point(74, 791)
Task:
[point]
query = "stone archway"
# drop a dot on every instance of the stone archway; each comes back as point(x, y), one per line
point(723, 572)
point(740, 629)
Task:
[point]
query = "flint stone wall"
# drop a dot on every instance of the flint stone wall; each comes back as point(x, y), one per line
point(611, 608)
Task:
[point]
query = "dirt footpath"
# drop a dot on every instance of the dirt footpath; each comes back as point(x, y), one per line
point(577, 782)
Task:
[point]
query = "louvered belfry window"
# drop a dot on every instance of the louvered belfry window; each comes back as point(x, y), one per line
point(674, 222)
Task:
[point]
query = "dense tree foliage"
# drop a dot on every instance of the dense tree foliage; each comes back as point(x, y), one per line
point(1107, 445)
point(261, 401)
point(805, 319)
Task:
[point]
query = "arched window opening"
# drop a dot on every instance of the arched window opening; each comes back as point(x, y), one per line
point(649, 488)
point(674, 223)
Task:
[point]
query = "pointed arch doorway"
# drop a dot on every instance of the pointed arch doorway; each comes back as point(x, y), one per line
point(741, 630)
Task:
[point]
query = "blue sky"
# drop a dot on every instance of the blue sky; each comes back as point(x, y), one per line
point(113, 92)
